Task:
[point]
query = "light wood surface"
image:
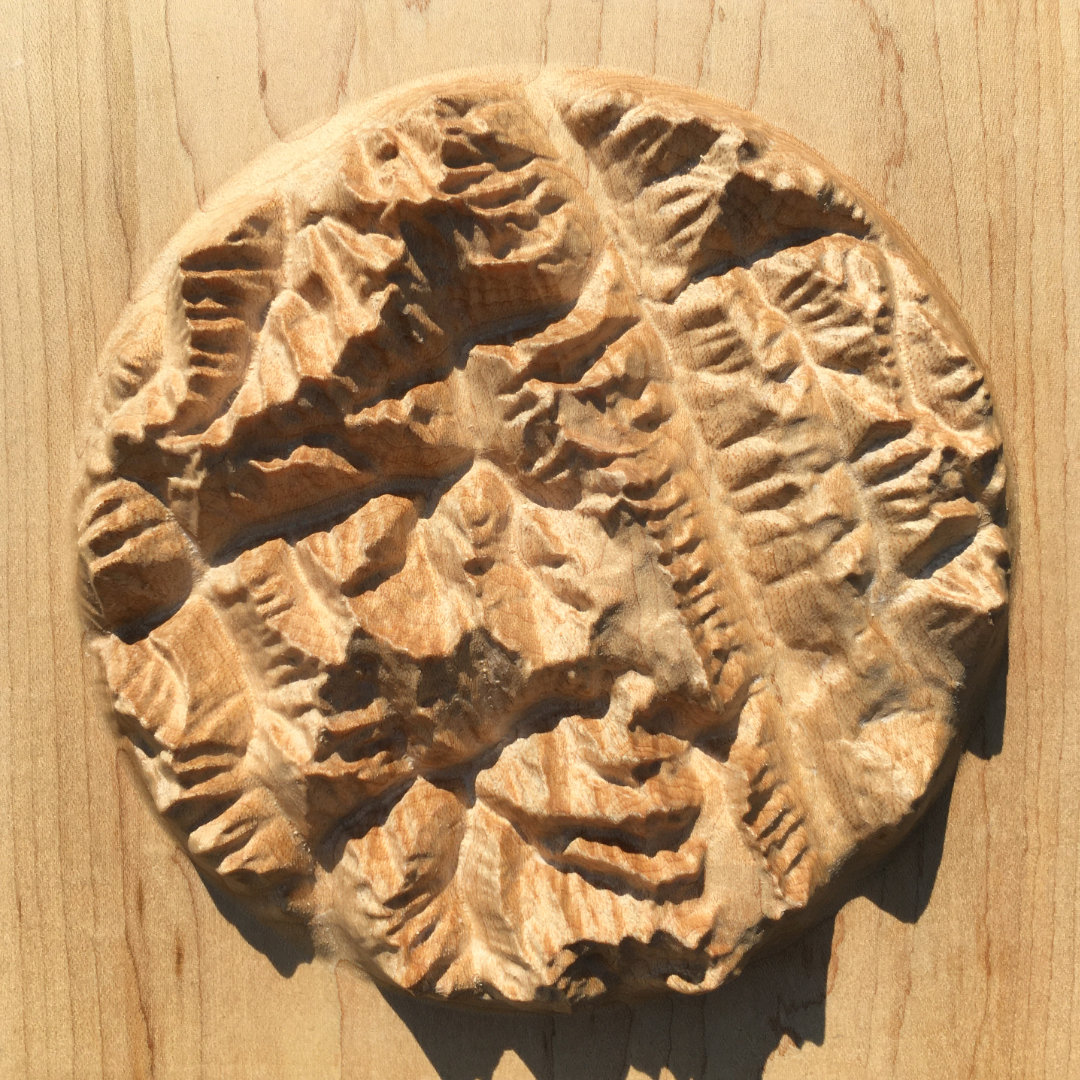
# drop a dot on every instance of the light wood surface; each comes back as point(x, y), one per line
point(960, 956)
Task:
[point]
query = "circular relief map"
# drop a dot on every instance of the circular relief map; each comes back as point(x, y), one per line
point(542, 536)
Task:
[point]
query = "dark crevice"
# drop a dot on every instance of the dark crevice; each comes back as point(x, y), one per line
point(800, 237)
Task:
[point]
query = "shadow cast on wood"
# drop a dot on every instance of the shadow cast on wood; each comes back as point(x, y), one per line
point(728, 1034)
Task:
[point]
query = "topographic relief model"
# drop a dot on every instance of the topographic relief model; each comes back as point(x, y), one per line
point(542, 536)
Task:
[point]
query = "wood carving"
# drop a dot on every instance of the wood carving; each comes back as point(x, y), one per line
point(543, 536)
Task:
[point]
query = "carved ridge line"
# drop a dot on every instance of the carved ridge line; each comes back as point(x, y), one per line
point(714, 651)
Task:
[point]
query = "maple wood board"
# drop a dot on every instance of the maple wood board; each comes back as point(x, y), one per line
point(957, 958)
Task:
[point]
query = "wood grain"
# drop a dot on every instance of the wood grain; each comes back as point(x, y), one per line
point(958, 959)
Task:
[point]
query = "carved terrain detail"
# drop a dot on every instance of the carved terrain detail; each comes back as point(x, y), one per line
point(543, 537)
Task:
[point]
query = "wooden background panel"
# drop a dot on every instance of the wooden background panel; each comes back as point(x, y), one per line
point(958, 958)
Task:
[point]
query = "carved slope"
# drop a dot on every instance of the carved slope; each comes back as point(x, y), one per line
point(541, 536)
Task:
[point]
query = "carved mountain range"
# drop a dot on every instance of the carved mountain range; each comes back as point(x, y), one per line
point(542, 536)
